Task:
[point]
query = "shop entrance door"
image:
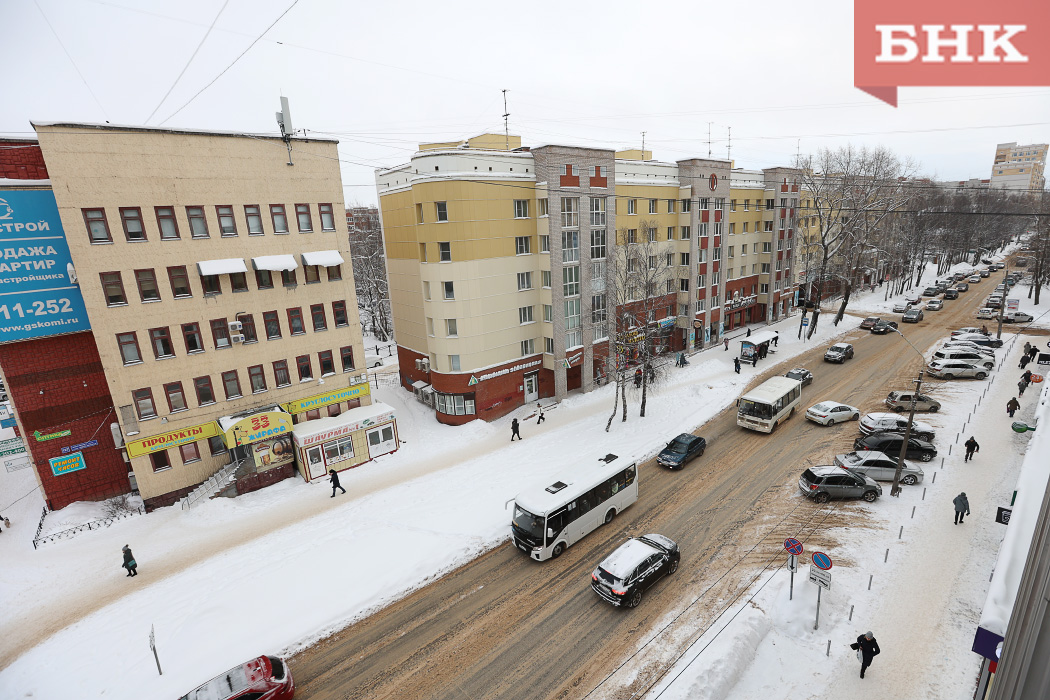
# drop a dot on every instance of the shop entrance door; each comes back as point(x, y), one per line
point(315, 462)
point(381, 440)
point(532, 388)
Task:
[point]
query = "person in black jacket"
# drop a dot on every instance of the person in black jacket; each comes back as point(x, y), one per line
point(129, 562)
point(334, 478)
point(868, 650)
point(971, 447)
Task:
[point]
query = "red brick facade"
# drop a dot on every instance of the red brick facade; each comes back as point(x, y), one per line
point(57, 384)
point(21, 160)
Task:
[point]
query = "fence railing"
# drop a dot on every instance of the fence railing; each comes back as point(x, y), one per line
point(93, 525)
point(207, 489)
point(383, 350)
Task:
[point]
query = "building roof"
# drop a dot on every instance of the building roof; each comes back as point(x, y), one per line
point(158, 129)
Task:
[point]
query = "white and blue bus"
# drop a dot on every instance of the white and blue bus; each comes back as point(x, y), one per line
point(549, 519)
point(769, 404)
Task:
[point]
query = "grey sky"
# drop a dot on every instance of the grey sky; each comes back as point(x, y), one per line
point(384, 76)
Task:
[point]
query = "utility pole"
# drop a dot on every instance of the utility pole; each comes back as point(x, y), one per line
point(506, 114)
point(895, 489)
point(729, 145)
point(709, 139)
point(1002, 303)
point(643, 145)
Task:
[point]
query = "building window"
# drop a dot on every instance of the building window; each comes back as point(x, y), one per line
point(191, 334)
point(231, 384)
point(239, 282)
point(548, 346)
point(652, 206)
point(449, 290)
point(571, 280)
point(302, 363)
point(346, 358)
point(202, 387)
point(335, 272)
point(324, 359)
point(453, 363)
point(683, 259)
point(528, 347)
point(445, 251)
point(683, 285)
point(147, 283)
point(454, 404)
point(129, 348)
point(279, 217)
point(632, 235)
point(303, 219)
point(333, 410)
point(599, 316)
point(671, 206)
point(451, 328)
point(525, 315)
point(253, 217)
point(198, 222)
point(97, 226)
point(160, 460)
point(632, 206)
point(524, 281)
point(131, 219)
point(211, 284)
point(522, 245)
point(327, 217)
point(176, 398)
point(190, 453)
point(144, 405)
point(216, 446)
point(598, 243)
point(545, 278)
point(281, 377)
point(652, 262)
point(273, 325)
point(668, 287)
point(521, 208)
point(264, 279)
point(545, 243)
point(220, 332)
point(731, 248)
point(160, 339)
point(248, 328)
point(570, 212)
point(650, 235)
point(317, 315)
point(295, 321)
point(113, 289)
point(441, 211)
point(570, 246)
point(687, 206)
point(598, 276)
point(312, 274)
point(288, 278)
point(180, 282)
point(597, 211)
point(339, 314)
point(543, 206)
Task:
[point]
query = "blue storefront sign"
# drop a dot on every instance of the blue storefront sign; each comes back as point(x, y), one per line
point(39, 295)
point(69, 463)
point(81, 446)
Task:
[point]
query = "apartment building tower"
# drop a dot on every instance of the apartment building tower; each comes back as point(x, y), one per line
point(511, 267)
point(1018, 167)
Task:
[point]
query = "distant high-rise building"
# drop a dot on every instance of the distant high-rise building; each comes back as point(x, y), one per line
point(1019, 167)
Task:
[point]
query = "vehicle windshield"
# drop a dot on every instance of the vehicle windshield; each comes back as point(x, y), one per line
point(677, 447)
point(529, 523)
point(746, 407)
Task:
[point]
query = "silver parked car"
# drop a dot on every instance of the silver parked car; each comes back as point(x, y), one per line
point(879, 466)
point(901, 401)
point(827, 482)
point(894, 423)
point(950, 369)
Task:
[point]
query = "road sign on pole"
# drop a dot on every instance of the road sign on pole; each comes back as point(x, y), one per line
point(794, 548)
point(820, 576)
point(821, 560)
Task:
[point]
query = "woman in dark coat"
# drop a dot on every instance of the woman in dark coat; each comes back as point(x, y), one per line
point(869, 648)
point(129, 562)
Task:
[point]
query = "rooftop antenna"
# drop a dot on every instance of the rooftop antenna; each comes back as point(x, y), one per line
point(643, 145)
point(284, 120)
point(709, 139)
point(506, 114)
point(729, 145)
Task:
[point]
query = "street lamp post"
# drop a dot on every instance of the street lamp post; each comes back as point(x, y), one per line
point(895, 489)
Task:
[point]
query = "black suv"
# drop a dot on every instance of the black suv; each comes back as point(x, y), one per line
point(681, 450)
point(890, 443)
point(839, 352)
point(884, 327)
point(824, 483)
point(636, 565)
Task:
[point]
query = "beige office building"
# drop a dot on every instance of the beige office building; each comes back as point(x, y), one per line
point(216, 272)
point(1018, 167)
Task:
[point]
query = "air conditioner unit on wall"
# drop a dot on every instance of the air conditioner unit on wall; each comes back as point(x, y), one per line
point(237, 338)
point(236, 326)
point(425, 364)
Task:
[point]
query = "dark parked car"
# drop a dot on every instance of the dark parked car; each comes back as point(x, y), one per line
point(981, 339)
point(681, 450)
point(962, 287)
point(264, 678)
point(890, 443)
point(824, 483)
point(869, 322)
point(801, 374)
point(951, 294)
point(931, 292)
point(637, 564)
point(912, 316)
point(884, 327)
point(839, 352)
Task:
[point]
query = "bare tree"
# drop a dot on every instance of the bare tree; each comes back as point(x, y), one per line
point(370, 280)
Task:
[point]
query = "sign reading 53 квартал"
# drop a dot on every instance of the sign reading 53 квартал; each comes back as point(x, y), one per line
point(39, 295)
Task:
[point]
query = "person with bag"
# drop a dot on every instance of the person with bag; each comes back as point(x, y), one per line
point(962, 507)
point(129, 562)
point(1011, 406)
point(867, 649)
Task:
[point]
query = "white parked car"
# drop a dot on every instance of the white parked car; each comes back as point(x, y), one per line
point(373, 361)
point(900, 307)
point(967, 345)
point(934, 305)
point(1017, 317)
point(895, 423)
point(950, 369)
point(828, 412)
point(986, 312)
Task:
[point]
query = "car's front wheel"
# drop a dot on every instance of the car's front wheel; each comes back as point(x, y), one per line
point(635, 599)
point(558, 549)
point(980, 375)
point(870, 496)
point(908, 479)
point(673, 567)
point(856, 416)
point(926, 456)
point(933, 409)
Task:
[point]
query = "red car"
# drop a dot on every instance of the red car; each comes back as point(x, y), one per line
point(869, 323)
point(264, 678)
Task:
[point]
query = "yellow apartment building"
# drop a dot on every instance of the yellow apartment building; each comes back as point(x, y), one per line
point(1018, 167)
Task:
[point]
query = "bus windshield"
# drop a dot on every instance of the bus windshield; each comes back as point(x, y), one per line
point(746, 407)
point(529, 523)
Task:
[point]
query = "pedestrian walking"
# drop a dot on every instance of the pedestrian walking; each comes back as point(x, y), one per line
point(1033, 352)
point(541, 418)
point(725, 342)
point(776, 338)
point(1027, 348)
point(333, 477)
point(736, 365)
point(754, 359)
point(129, 562)
point(962, 507)
point(867, 649)
point(1025, 359)
point(1012, 406)
point(748, 333)
point(762, 351)
point(1027, 376)
point(638, 377)
point(678, 359)
point(1021, 386)
point(971, 447)
point(514, 430)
